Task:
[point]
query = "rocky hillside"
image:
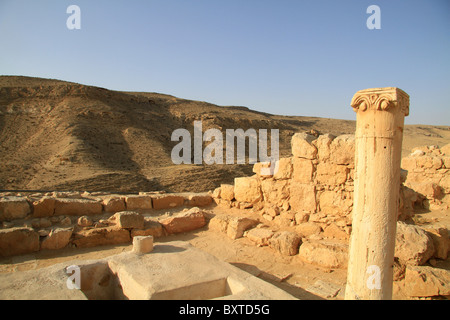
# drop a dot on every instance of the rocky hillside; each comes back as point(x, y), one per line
point(57, 135)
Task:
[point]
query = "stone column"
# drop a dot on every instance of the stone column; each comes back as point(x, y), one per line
point(379, 132)
point(142, 244)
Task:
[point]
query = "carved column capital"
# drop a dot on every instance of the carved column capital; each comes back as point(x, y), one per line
point(381, 99)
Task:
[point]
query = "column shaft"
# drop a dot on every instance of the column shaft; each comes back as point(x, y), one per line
point(379, 133)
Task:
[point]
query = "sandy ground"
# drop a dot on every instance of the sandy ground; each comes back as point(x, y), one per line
point(287, 273)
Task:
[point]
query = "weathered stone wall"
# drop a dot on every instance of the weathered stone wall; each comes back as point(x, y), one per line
point(18, 206)
point(429, 176)
point(311, 196)
point(314, 185)
point(60, 219)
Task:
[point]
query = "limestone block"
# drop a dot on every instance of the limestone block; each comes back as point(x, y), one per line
point(282, 221)
point(441, 241)
point(57, 239)
point(260, 236)
point(129, 220)
point(409, 164)
point(308, 229)
point(17, 241)
point(77, 207)
point(227, 192)
point(85, 221)
point(262, 170)
point(44, 207)
point(331, 174)
point(199, 200)
point(238, 225)
point(44, 223)
point(302, 197)
point(428, 189)
point(302, 147)
point(302, 170)
point(426, 162)
point(275, 192)
point(332, 231)
point(283, 169)
point(301, 217)
point(167, 201)
point(150, 228)
point(216, 193)
point(342, 149)
point(143, 244)
point(427, 281)
point(413, 246)
point(185, 221)
point(114, 204)
point(335, 202)
point(87, 238)
point(324, 254)
point(219, 223)
point(247, 189)
point(325, 289)
point(66, 221)
point(12, 208)
point(323, 143)
point(285, 242)
point(138, 202)
point(271, 210)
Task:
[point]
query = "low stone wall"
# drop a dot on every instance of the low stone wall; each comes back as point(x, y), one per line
point(17, 206)
point(60, 219)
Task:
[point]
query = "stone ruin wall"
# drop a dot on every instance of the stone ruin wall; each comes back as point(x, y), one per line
point(314, 185)
point(428, 177)
point(52, 221)
point(310, 200)
point(313, 189)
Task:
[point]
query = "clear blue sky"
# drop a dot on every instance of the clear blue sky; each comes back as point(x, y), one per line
point(291, 57)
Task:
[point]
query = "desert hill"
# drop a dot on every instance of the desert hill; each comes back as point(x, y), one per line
point(57, 135)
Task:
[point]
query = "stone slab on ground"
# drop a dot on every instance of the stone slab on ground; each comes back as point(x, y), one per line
point(324, 254)
point(172, 271)
point(185, 221)
point(326, 290)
